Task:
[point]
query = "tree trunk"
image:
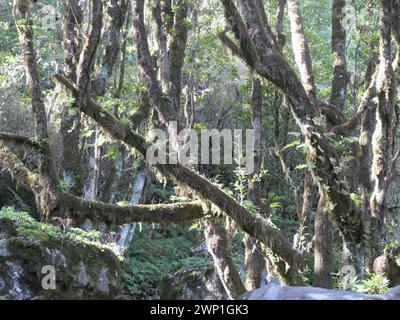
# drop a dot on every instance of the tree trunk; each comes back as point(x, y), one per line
point(217, 245)
point(162, 46)
point(47, 198)
point(301, 50)
point(323, 252)
point(382, 138)
point(139, 190)
point(254, 257)
point(340, 76)
point(177, 53)
point(305, 216)
point(92, 181)
point(70, 124)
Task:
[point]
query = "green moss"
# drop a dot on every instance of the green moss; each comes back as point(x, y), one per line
point(29, 228)
point(31, 241)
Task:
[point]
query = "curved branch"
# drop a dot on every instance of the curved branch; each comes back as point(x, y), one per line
point(239, 29)
point(230, 46)
point(17, 139)
point(109, 122)
point(350, 124)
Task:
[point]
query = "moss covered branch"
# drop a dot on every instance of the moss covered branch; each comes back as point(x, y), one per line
point(18, 171)
point(19, 140)
point(111, 214)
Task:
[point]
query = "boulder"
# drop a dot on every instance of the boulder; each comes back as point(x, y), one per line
point(32, 254)
point(387, 266)
point(274, 291)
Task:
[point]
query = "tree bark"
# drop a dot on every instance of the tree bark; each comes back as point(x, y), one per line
point(162, 46)
point(301, 50)
point(217, 245)
point(323, 252)
point(280, 14)
point(111, 214)
point(383, 135)
point(177, 52)
point(91, 188)
point(340, 75)
point(139, 190)
point(254, 257)
point(88, 54)
point(305, 214)
point(47, 198)
point(115, 17)
point(70, 124)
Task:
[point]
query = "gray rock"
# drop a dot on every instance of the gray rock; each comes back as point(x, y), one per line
point(83, 269)
point(3, 246)
point(17, 290)
point(83, 277)
point(274, 291)
point(103, 282)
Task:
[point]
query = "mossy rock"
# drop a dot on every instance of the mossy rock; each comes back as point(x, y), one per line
point(84, 268)
point(193, 283)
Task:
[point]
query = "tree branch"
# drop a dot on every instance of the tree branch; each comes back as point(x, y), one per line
point(145, 63)
point(280, 14)
point(88, 54)
point(275, 68)
point(217, 244)
point(115, 12)
point(350, 124)
point(239, 29)
point(230, 46)
point(111, 214)
point(301, 50)
point(18, 171)
point(177, 52)
point(17, 139)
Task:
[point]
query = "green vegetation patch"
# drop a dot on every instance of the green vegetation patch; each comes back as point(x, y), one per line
point(30, 229)
point(155, 255)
